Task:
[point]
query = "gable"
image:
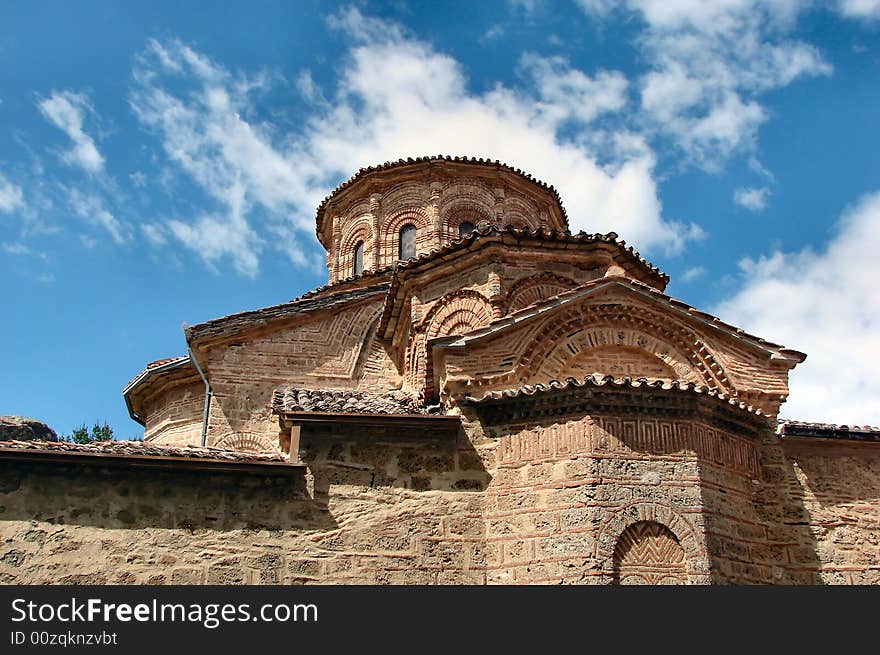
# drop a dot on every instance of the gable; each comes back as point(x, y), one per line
point(608, 327)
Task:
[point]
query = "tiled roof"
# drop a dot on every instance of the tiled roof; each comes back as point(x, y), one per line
point(305, 303)
point(792, 428)
point(487, 230)
point(410, 161)
point(336, 401)
point(395, 298)
point(344, 291)
point(164, 364)
point(610, 381)
point(141, 449)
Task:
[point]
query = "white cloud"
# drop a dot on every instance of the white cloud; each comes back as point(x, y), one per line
point(67, 110)
point(154, 233)
point(396, 97)
point(865, 9)
point(825, 304)
point(11, 196)
point(692, 273)
point(754, 199)
point(569, 94)
point(91, 207)
point(208, 134)
point(16, 249)
point(138, 179)
point(710, 63)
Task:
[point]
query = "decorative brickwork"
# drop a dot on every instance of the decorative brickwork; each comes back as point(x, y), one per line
point(647, 553)
point(530, 290)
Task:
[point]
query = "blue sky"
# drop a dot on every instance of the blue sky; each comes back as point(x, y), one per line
point(160, 163)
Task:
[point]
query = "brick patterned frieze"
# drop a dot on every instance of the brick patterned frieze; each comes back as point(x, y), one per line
point(609, 435)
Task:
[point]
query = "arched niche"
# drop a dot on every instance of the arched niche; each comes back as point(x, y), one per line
point(455, 313)
point(361, 233)
point(247, 443)
point(535, 288)
point(618, 352)
point(648, 553)
point(563, 337)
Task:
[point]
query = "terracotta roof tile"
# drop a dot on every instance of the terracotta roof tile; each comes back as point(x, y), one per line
point(336, 401)
point(640, 286)
point(571, 383)
point(791, 428)
point(305, 303)
point(167, 364)
point(464, 241)
point(143, 449)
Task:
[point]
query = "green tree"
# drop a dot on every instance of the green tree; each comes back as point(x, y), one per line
point(99, 432)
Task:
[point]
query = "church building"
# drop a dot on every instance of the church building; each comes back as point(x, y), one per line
point(479, 396)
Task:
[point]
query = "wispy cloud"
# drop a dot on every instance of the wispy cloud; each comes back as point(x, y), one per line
point(826, 304)
point(392, 85)
point(11, 196)
point(754, 199)
point(711, 61)
point(861, 9)
point(67, 111)
point(693, 273)
point(91, 207)
point(208, 134)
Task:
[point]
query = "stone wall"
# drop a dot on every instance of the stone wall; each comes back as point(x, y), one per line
point(837, 483)
point(559, 499)
point(370, 510)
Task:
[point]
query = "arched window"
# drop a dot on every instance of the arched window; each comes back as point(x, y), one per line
point(407, 248)
point(358, 266)
point(465, 228)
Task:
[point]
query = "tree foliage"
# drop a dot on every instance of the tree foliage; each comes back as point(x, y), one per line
point(99, 432)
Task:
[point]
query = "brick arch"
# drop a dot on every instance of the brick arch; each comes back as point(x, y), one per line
point(621, 352)
point(360, 232)
point(403, 196)
point(473, 192)
point(463, 209)
point(389, 231)
point(455, 313)
point(612, 537)
point(535, 288)
point(249, 443)
point(457, 304)
point(682, 343)
point(519, 213)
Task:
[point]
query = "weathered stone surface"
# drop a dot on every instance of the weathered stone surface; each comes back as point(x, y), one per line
point(23, 429)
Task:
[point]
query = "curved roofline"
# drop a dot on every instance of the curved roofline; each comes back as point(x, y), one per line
point(158, 367)
point(778, 351)
point(609, 381)
point(412, 161)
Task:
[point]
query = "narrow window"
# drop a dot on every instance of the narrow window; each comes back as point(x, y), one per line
point(465, 228)
point(407, 241)
point(358, 267)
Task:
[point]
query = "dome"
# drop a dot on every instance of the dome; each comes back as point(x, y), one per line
point(399, 210)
